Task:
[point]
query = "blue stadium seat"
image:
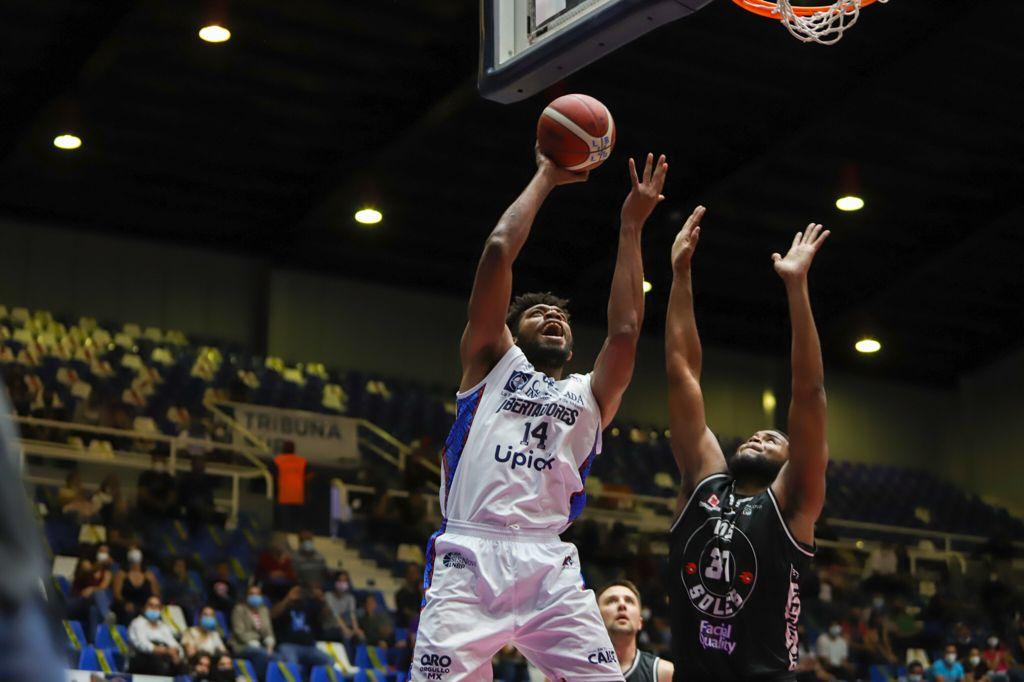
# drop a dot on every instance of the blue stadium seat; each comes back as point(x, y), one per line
point(75, 634)
point(63, 584)
point(279, 671)
point(100, 660)
point(112, 637)
point(371, 658)
point(323, 673)
point(245, 670)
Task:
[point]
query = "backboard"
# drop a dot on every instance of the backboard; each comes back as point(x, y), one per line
point(527, 45)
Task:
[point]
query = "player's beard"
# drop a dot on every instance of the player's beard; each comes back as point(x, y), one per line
point(753, 469)
point(545, 356)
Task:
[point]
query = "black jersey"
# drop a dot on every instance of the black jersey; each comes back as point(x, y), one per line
point(644, 668)
point(734, 586)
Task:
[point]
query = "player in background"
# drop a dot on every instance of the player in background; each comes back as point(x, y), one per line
point(620, 606)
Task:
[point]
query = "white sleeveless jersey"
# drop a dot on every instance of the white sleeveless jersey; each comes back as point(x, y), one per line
point(521, 448)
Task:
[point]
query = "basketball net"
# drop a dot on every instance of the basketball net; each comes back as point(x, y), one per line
point(824, 25)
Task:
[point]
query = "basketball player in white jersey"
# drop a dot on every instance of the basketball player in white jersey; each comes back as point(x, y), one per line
point(514, 464)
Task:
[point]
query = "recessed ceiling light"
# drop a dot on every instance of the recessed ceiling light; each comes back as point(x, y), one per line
point(369, 216)
point(868, 345)
point(67, 141)
point(849, 203)
point(647, 287)
point(215, 34)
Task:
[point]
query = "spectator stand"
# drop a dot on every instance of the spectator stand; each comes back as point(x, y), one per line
point(72, 449)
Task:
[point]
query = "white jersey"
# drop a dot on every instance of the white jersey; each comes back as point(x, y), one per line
point(521, 448)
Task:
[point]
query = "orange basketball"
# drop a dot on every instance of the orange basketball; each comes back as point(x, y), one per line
point(576, 132)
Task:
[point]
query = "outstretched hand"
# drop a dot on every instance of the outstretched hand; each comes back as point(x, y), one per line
point(646, 191)
point(686, 241)
point(797, 262)
point(555, 174)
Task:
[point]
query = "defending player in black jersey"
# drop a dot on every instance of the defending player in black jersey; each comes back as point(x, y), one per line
point(745, 532)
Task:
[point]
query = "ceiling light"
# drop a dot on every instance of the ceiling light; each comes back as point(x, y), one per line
point(215, 34)
point(647, 287)
point(868, 345)
point(849, 203)
point(369, 216)
point(768, 401)
point(67, 141)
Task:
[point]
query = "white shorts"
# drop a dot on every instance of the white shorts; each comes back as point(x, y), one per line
point(488, 587)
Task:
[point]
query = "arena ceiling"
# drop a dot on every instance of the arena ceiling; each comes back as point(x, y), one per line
point(267, 144)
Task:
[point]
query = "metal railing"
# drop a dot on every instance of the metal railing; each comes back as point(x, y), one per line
point(70, 450)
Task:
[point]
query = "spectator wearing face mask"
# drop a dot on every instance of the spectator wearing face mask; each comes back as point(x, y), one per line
point(997, 659)
point(203, 637)
point(948, 668)
point(310, 565)
point(975, 669)
point(299, 621)
point(834, 652)
point(342, 603)
point(133, 587)
point(252, 636)
point(224, 670)
point(157, 652)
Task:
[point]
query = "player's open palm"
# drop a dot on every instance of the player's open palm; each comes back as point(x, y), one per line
point(646, 191)
point(686, 241)
point(796, 263)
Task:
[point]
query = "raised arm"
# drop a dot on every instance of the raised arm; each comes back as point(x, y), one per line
point(694, 447)
point(486, 337)
point(614, 366)
point(800, 486)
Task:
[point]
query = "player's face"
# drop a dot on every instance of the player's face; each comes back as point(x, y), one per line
point(544, 335)
point(760, 457)
point(620, 610)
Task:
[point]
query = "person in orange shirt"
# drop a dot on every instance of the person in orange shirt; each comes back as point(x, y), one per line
point(291, 489)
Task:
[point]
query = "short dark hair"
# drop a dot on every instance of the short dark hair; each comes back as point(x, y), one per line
point(628, 584)
point(524, 302)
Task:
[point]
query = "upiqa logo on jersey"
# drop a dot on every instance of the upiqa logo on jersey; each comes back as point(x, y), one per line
point(602, 656)
point(524, 458)
point(435, 666)
point(719, 569)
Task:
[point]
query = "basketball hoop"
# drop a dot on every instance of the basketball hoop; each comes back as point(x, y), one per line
point(822, 24)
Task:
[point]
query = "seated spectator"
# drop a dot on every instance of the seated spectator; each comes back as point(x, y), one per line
point(310, 565)
point(224, 670)
point(90, 577)
point(915, 672)
point(947, 669)
point(342, 603)
point(998, 660)
point(834, 652)
point(179, 588)
point(221, 588)
point(200, 668)
point(377, 626)
point(252, 636)
point(156, 495)
point(75, 501)
point(203, 637)
point(409, 597)
point(298, 622)
point(275, 570)
point(876, 641)
point(195, 493)
point(976, 670)
point(133, 587)
point(157, 652)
